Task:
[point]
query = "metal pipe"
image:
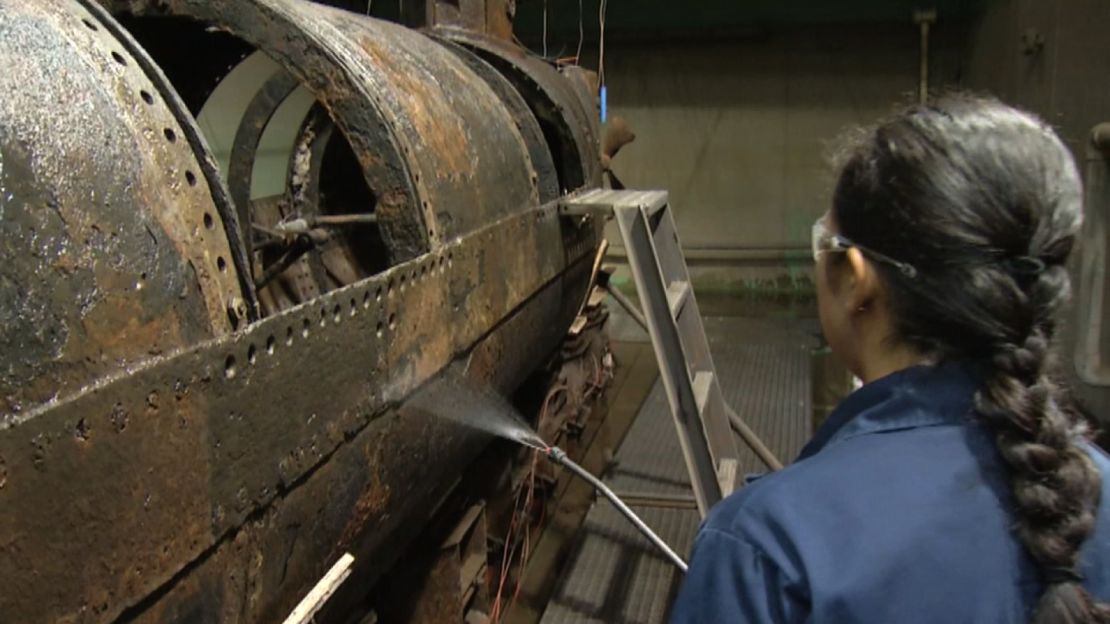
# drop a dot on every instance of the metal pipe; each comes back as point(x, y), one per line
point(752, 440)
point(1100, 136)
point(295, 252)
point(304, 224)
point(924, 19)
point(668, 501)
point(744, 253)
point(559, 456)
point(628, 306)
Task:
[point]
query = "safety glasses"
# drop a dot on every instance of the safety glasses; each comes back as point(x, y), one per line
point(825, 241)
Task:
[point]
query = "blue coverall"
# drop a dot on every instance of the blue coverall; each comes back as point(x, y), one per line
point(898, 511)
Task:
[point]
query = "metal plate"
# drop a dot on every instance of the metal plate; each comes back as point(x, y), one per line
point(554, 99)
point(113, 247)
point(193, 440)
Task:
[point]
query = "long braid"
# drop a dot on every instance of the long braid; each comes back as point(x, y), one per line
point(1054, 484)
point(985, 202)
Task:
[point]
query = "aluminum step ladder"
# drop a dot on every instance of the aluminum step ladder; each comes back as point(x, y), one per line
point(702, 419)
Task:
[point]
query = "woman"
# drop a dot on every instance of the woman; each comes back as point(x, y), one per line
point(955, 486)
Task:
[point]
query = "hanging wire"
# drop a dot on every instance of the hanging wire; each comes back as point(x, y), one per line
point(581, 33)
point(369, 3)
point(601, 42)
point(545, 28)
point(520, 527)
point(527, 548)
point(506, 559)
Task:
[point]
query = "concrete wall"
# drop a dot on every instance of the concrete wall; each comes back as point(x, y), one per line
point(739, 131)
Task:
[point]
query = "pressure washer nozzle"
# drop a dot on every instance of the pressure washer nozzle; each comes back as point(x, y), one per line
point(556, 454)
point(559, 456)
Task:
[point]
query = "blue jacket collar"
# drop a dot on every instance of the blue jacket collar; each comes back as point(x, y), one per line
point(919, 396)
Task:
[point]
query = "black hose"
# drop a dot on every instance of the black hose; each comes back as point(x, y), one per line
point(559, 456)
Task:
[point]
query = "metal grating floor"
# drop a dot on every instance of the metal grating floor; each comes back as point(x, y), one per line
point(613, 575)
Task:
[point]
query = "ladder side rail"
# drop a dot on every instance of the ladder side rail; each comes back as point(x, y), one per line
point(695, 344)
point(673, 369)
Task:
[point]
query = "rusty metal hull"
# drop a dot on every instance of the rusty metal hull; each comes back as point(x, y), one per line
point(437, 147)
point(176, 459)
point(570, 126)
point(146, 476)
point(112, 246)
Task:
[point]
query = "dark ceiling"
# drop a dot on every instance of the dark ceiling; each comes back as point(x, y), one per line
point(668, 19)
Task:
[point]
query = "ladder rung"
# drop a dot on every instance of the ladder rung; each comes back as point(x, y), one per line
point(608, 201)
point(726, 475)
point(703, 381)
point(677, 293)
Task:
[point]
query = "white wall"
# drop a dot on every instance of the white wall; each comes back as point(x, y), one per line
point(219, 119)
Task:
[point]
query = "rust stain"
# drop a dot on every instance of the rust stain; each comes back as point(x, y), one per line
point(373, 501)
point(426, 104)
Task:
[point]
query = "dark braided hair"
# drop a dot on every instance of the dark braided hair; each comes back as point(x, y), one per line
point(985, 202)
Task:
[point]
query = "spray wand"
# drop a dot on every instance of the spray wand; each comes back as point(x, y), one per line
point(559, 456)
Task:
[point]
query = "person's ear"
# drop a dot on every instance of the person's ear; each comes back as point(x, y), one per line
point(863, 282)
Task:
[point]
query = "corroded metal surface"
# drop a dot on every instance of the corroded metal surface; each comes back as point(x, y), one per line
point(440, 153)
point(201, 467)
point(113, 248)
point(245, 309)
point(568, 125)
point(547, 178)
point(253, 431)
point(584, 85)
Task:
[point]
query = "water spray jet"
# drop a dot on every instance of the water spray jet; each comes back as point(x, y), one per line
point(458, 400)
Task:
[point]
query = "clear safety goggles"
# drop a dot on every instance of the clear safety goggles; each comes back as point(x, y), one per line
point(825, 241)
